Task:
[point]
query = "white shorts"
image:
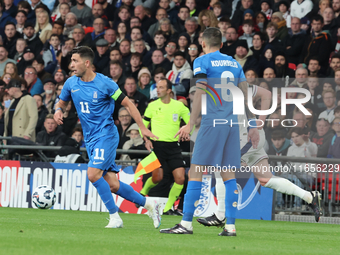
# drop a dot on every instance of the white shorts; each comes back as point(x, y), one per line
point(253, 156)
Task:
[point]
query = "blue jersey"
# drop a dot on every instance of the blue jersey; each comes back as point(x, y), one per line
point(218, 69)
point(95, 103)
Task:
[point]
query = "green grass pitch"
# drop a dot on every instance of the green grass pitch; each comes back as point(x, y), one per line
point(33, 231)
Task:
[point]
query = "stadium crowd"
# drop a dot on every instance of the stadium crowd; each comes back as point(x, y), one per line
point(136, 43)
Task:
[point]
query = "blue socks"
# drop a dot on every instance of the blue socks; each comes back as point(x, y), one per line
point(191, 196)
point(231, 200)
point(127, 192)
point(104, 192)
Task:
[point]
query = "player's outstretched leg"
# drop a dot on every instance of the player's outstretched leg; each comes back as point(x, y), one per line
point(230, 208)
point(218, 218)
point(157, 176)
point(175, 191)
point(282, 185)
point(103, 189)
point(153, 207)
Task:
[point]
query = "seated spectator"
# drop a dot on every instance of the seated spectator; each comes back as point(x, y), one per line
point(168, 30)
point(322, 137)
point(122, 32)
point(261, 21)
point(158, 60)
point(71, 22)
point(69, 153)
point(20, 46)
point(125, 49)
point(78, 35)
point(34, 84)
point(42, 113)
point(248, 33)
point(25, 6)
point(229, 47)
point(284, 9)
point(160, 14)
point(301, 75)
point(77, 134)
point(279, 143)
point(54, 47)
point(267, 59)
point(98, 33)
point(180, 74)
point(51, 135)
point(43, 27)
point(27, 60)
point(278, 19)
point(191, 27)
point(4, 59)
point(335, 64)
point(39, 64)
point(135, 65)
point(97, 12)
point(329, 100)
point(32, 39)
point(59, 76)
point(314, 67)
point(223, 24)
point(116, 72)
point(170, 50)
point(334, 148)
point(139, 46)
point(111, 37)
point(159, 73)
point(193, 51)
point(245, 57)
point(273, 40)
point(130, 89)
point(144, 82)
point(70, 119)
point(125, 121)
point(102, 55)
point(10, 40)
point(183, 15)
point(22, 114)
point(206, 18)
point(49, 94)
point(11, 68)
point(266, 8)
point(81, 10)
point(300, 9)
point(63, 10)
point(136, 142)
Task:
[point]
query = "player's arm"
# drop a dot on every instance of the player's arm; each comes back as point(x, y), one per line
point(197, 103)
point(265, 96)
point(60, 107)
point(138, 118)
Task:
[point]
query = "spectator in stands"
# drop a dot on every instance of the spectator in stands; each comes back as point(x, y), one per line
point(98, 32)
point(63, 10)
point(314, 67)
point(5, 17)
point(97, 12)
point(247, 28)
point(237, 18)
point(167, 28)
point(193, 52)
point(4, 59)
point(245, 57)
point(130, 89)
point(278, 19)
point(323, 137)
point(25, 6)
point(102, 55)
point(192, 6)
point(39, 64)
point(273, 40)
point(78, 35)
point(159, 73)
point(123, 16)
point(158, 60)
point(183, 15)
point(10, 8)
point(51, 135)
point(81, 10)
point(329, 100)
point(27, 60)
point(330, 24)
point(20, 20)
point(49, 95)
point(171, 9)
point(206, 18)
point(71, 23)
point(77, 134)
point(11, 68)
point(136, 142)
point(266, 8)
point(124, 48)
point(315, 91)
point(11, 38)
point(124, 124)
point(191, 26)
point(116, 73)
point(22, 116)
point(294, 41)
point(317, 44)
point(268, 76)
point(111, 37)
point(114, 55)
point(279, 143)
point(32, 38)
point(42, 113)
point(135, 65)
point(20, 46)
point(261, 21)
point(223, 25)
point(43, 27)
point(144, 82)
point(334, 148)
point(122, 32)
point(170, 49)
point(229, 47)
point(335, 64)
point(34, 84)
point(161, 14)
point(145, 21)
point(281, 67)
point(59, 76)
point(300, 8)
point(301, 75)
point(70, 119)
point(258, 45)
point(51, 53)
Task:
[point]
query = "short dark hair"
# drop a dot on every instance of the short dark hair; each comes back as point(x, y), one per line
point(159, 32)
point(77, 129)
point(10, 23)
point(185, 7)
point(336, 55)
point(42, 100)
point(39, 60)
point(116, 62)
point(212, 36)
point(278, 134)
point(24, 5)
point(117, 49)
point(297, 130)
point(139, 28)
point(160, 70)
point(248, 22)
point(168, 83)
point(135, 17)
point(84, 52)
point(179, 53)
point(59, 22)
point(136, 55)
point(21, 11)
point(315, 59)
point(317, 17)
point(54, 35)
point(337, 109)
point(260, 34)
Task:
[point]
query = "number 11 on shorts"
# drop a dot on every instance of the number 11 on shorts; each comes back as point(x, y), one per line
point(96, 155)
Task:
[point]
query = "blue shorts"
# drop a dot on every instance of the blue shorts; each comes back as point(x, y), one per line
point(102, 153)
point(217, 146)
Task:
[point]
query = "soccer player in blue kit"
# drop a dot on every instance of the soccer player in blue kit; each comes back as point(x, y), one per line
point(215, 144)
point(94, 96)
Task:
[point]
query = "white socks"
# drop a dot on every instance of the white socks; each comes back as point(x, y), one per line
point(285, 186)
point(187, 224)
point(220, 195)
point(115, 216)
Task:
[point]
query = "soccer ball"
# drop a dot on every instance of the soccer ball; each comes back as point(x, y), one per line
point(44, 197)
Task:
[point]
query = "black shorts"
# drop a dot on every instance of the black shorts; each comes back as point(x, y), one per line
point(169, 155)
